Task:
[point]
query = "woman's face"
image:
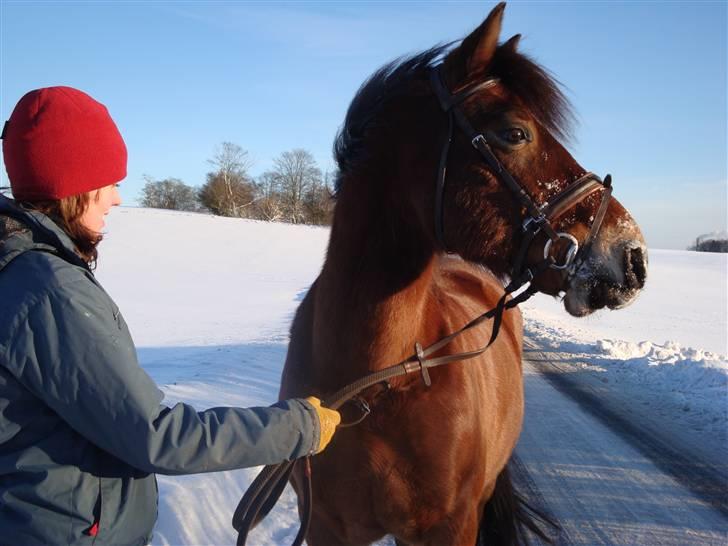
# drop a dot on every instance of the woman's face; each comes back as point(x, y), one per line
point(99, 206)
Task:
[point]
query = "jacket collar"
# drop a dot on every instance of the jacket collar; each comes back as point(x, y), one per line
point(22, 230)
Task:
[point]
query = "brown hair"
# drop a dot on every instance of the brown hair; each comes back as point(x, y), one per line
point(67, 213)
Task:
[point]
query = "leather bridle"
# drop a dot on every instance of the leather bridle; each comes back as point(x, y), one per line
point(267, 487)
point(538, 218)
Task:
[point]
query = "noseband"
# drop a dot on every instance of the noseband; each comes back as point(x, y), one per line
point(537, 218)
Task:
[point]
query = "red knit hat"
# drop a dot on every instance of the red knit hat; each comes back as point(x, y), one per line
point(60, 142)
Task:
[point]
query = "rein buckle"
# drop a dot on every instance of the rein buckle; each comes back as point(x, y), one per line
point(363, 407)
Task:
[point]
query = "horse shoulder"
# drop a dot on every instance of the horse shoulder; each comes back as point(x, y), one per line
point(468, 282)
point(469, 291)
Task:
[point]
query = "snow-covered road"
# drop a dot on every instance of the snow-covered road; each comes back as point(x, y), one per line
point(607, 472)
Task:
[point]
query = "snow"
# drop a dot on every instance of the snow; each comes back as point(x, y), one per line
point(194, 279)
point(209, 301)
point(684, 300)
point(666, 352)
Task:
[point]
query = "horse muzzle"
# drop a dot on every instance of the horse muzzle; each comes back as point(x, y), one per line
point(613, 281)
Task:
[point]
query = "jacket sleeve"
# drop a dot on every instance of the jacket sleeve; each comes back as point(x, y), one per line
point(73, 351)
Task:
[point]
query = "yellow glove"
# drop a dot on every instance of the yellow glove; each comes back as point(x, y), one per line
point(328, 420)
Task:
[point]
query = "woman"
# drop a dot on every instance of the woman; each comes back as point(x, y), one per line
point(82, 427)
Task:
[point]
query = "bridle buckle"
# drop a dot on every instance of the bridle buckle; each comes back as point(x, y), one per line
point(534, 223)
point(479, 138)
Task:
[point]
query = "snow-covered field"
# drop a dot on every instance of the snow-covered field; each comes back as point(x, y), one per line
point(209, 301)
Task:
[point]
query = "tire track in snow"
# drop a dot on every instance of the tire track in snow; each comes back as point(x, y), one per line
point(606, 473)
point(702, 478)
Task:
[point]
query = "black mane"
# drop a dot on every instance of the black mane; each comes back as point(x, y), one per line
point(538, 90)
point(391, 80)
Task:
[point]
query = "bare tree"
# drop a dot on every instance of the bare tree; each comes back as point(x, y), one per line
point(296, 174)
point(268, 205)
point(228, 190)
point(170, 193)
point(318, 201)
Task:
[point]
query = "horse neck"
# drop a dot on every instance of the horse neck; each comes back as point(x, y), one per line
point(374, 286)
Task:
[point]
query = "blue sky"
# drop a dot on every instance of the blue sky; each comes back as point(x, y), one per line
point(647, 80)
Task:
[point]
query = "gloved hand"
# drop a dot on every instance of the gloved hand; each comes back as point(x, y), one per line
point(328, 420)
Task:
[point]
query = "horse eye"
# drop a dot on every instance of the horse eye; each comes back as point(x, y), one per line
point(514, 135)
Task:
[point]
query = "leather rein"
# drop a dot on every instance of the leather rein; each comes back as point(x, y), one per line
point(268, 486)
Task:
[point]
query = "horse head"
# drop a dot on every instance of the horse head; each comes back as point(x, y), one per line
point(521, 114)
point(459, 151)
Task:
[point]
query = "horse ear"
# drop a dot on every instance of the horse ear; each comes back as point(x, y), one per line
point(476, 51)
point(512, 43)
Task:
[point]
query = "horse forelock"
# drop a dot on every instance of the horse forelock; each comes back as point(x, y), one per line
point(539, 91)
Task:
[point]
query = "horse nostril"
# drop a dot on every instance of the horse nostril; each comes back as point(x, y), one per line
point(598, 295)
point(635, 267)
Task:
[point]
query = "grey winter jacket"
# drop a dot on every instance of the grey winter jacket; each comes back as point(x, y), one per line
point(82, 427)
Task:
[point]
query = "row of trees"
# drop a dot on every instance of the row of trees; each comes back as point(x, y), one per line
point(294, 190)
point(710, 243)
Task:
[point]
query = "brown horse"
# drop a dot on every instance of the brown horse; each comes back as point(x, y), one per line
point(425, 465)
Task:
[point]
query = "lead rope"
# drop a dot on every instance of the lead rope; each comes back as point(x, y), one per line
point(268, 486)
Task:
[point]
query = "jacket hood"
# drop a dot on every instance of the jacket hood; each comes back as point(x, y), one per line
point(22, 230)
